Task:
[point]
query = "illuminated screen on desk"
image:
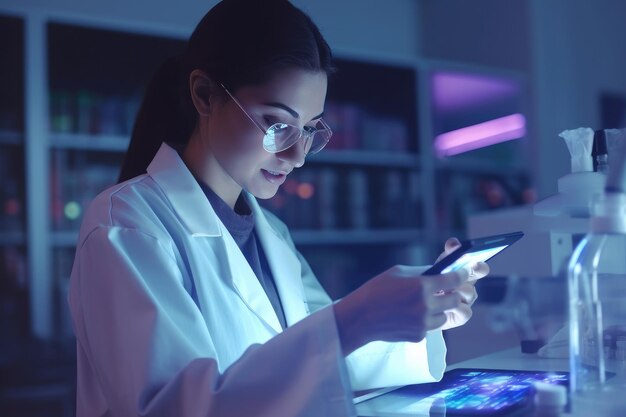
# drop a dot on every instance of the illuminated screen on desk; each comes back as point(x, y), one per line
point(465, 392)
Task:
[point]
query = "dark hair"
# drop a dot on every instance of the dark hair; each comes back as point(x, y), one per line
point(237, 43)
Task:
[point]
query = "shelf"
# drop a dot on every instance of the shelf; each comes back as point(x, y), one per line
point(12, 238)
point(355, 237)
point(85, 141)
point(480, 167)
point(116, 143)
point(369, 158)
point(11, 137)
point(64, 239)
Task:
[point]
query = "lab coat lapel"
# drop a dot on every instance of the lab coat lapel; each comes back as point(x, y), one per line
point(247, 284)
point(285, 266)
point(195, 211)
point(182, 190)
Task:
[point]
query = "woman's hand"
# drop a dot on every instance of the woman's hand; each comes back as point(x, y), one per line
point(460, 315)
point(397, 305)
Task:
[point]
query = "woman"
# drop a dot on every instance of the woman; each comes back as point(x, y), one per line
point(187, 298)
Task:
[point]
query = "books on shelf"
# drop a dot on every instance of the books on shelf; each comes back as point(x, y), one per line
point(75, 179)
point(356, 129)
point(349, 198)
point(12, 207)
point(84, 111)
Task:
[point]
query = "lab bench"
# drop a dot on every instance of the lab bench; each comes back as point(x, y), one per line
point(514, 359)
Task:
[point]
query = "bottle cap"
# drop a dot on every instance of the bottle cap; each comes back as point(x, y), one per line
point(550, 394)
point(599, 143)
point(616, 180)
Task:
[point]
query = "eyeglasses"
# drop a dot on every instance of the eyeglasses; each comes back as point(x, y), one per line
point(281, 136)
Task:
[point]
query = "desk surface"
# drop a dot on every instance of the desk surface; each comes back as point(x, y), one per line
point(514, 359)
point(611, 406)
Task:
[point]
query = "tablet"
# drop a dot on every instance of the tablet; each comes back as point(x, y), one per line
point(474, 250)
point(463, 392)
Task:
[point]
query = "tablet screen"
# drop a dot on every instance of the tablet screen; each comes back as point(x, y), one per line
point(472, 251)
point(468, 392)
point(471, 258)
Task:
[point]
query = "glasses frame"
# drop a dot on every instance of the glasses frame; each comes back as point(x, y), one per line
point(304, 133)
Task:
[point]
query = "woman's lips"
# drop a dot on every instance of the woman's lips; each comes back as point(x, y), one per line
point(275, 177)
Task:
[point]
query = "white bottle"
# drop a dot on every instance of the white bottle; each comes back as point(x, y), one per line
point(549, 399)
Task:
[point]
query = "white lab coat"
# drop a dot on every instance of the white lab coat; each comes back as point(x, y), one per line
point(171, 320)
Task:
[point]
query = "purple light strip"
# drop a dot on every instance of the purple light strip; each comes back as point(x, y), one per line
point(481, 135)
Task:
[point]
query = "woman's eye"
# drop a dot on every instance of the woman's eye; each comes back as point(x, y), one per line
point(269, 120)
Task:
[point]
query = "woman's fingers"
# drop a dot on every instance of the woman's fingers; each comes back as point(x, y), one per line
point(449, 247)
point(400, 304)
point(468, 293)
point(438, 307)
point(449, 298)
point(457, 317)
point(437, 284)
point(440, 303)
point(435, 321)
point(478, 271)
point(451, 244)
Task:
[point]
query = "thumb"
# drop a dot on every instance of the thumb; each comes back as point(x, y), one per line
point(449, 247)
point(451, 244)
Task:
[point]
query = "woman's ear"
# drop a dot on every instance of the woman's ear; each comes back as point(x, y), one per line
point(202, 89)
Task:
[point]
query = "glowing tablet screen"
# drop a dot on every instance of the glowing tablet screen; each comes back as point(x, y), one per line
point(473, 257)
point(463, 392)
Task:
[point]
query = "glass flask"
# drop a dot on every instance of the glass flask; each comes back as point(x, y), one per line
point(597, 309)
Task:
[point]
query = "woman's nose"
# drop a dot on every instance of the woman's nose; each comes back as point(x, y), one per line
point(294, 155)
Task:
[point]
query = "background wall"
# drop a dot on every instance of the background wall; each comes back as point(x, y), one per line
point(370, 25)
point(578, 54)
point(571, 50)
point(487, 32)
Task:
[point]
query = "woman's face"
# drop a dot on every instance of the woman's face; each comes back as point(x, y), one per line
point(292, 96)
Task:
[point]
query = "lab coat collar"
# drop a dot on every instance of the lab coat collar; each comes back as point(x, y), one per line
point(195, 211)
point(184, 193)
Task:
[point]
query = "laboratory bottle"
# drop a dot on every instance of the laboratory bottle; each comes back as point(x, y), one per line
point(597, 310)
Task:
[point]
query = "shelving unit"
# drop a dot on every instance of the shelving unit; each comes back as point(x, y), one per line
point(12, 238)
point(376, 196)
point(480, 166)
point(85, 141)
point(8, 137)
point(366, 158)
point(64, 239)
point(14, 300)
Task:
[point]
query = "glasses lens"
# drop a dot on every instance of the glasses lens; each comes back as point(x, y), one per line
point(281, 136)
point(319, 140)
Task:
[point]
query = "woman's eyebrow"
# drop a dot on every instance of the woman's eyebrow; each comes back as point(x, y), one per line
point(291, 111)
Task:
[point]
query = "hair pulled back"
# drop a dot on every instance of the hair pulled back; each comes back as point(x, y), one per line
point(237, 43)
